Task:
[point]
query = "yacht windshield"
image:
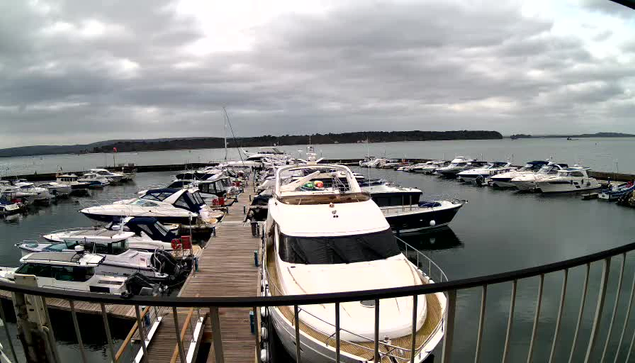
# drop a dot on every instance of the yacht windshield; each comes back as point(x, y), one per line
point(335, 250)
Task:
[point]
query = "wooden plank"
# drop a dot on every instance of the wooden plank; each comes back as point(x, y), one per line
point(226, 268)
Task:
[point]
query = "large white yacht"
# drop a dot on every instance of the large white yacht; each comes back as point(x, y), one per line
point(111, 176)
point(527, 182)
point(182, 206)
point(574, 179)
point(503, 180)
point(324, 235)
point(30, 192)
point(428, 167)
point(94, 180)
point(458, 165)
point(72, 180)
point(491, 169)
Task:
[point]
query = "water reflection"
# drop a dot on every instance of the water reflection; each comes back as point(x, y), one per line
point(436, 239)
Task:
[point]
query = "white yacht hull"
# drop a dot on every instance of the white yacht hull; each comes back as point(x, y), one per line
point(575, 186)
point(524, 185)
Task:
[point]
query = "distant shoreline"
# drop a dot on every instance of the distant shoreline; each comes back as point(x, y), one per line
point(194, 143)
point(580, 136)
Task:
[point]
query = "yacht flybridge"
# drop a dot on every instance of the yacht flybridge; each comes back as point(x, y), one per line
point(325, 235)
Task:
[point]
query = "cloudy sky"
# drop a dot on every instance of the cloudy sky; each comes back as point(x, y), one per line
point(83, 71)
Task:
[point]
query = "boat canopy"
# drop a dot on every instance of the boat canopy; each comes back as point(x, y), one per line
point(150, 226)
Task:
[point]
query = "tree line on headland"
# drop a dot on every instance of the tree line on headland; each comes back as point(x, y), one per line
point(266, 140)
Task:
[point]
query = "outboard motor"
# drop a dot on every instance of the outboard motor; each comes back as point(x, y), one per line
point(138, 284)
point(165, 263)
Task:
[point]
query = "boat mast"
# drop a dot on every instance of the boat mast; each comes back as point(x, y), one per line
point(225, 119)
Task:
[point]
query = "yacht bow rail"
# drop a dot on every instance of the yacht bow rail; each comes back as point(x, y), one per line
point(595, 350)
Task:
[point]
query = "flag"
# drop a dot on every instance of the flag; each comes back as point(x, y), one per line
point(114, 149)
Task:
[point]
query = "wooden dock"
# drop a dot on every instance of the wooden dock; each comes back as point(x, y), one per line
point(226, 268)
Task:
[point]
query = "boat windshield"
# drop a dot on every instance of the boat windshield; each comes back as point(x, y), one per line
point(336, 250)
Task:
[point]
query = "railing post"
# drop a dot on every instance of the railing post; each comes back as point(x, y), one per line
point(111, 347)
point(534, 330)
point(510, 319)
point(32, 331)
point(617, 302)
point(337, 332)
point(296, 318)
point(559, 318)
point(8, 334)
point(142, 334)
point(78, 333)
point(175, 315)
point(413, 346)
point(581, 312)
point(597, 319)
point(376, 353)
point(626, 319)
point(217, 337)
point(446, 356)
point(481, 322)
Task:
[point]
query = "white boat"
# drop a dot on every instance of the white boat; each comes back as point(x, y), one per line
point(491, 169)
point(142, 233)
point(503, 180)
point(568, 180)
point(29, 191)
point(119, 259)
point(335, 239)
point(8, 207)
point(458, 165)
point(94, 180)
point(428, 167)
point(72, 271)
point(111, 176)
point(57, 190)
point(528, 181)
point(182, 206)
point(71, 180)
point(616, 191)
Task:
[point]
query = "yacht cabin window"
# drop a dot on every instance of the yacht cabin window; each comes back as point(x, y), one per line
point(335, 250)
point(61, 273)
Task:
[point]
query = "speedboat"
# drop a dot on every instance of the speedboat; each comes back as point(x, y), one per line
point(503, 180)
point(29, 191)
point(456, 166)
point(614, 192)
point(8, 207)
point(527, 182)
point(142, 233)
point(119, 260)
point(181, 206)
point(405, 211)
point(111, 176)
point(94, 180)
point(57, 190)
point(324, 235)
point(72, 180)
point(428, 167)
point(575, 179)
point(74, 271)
point(491, 169)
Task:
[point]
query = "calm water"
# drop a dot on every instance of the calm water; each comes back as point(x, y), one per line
point(496, 231)
point(610, 154)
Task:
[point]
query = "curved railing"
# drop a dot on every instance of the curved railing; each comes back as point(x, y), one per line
point(450, 288)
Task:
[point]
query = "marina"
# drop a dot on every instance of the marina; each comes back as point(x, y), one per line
point(230, 263)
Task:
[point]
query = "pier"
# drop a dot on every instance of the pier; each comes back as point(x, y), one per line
point(226, 268)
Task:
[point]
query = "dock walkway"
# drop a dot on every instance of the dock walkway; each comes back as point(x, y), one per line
point(226, 268)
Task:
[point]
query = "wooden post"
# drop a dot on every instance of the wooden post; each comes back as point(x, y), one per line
point(36, 338)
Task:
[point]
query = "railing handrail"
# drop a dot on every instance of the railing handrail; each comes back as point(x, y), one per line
point(251, 301)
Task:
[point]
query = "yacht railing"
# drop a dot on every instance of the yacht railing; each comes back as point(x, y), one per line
point(607, 336)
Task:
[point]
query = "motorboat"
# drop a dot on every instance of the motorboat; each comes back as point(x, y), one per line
point(428, 167)
point(181, 206)
point(74, 271)
point(266, 153)
point(615, 192)
point(405, 211)
point(72, 180)
point(458, 165)
point(57, 190)
point(119, 260)
point(142, 233)
point(503, 180)
point(94, 180)
point(8, 207)
point(575, 179)
point(527, 182)
point(324, 235)
point(111, 176)
point(27, 190)
point(491, 169)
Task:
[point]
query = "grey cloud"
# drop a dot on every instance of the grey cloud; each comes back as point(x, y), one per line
point(435, 65)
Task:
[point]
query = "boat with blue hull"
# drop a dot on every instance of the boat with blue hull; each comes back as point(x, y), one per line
point(615, 192)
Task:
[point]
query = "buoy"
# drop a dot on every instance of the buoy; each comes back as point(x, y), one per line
point(264, 313)
point(263, 355)
point(433, 223)
point(264, 333)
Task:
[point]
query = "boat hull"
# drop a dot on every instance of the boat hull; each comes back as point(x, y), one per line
point(419, 219)
point(163, 219)
point(549, 187)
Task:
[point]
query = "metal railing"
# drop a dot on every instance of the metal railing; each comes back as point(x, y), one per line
point(597, 348)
